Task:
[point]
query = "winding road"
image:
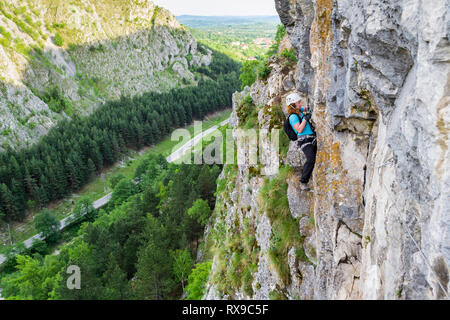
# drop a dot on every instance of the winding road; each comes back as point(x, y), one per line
point(104, 200)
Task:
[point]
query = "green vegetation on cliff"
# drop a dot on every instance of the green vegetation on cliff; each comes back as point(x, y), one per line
point(285, 231)
point(197, 281)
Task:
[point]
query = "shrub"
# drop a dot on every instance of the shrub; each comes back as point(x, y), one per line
point(277, 295)
point(155, 14)
point(113, 181)
point(202, 49)
point(22, 48)
point(59, 25)
point(237, 259)
point(200, 211)
point(6, 132)
point(40, 247)
point(55, 100)
point(5, 42)
point(247, 113)
point(284, 144)
point(25, 28)
point(47, 224)
point(263, 71)
point(18, 11)
point(29, 20)
point(2, 10)
point(5, 33)
point(197, 281)
point(290, 55)
point(248, 73)
point(248, 100)
point(58, 40)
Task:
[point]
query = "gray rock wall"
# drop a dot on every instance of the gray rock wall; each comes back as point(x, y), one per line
point(380, 88)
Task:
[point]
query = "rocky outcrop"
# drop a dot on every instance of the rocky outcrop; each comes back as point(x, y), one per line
point(247, 200)
point(377, 76)
point(105, 49)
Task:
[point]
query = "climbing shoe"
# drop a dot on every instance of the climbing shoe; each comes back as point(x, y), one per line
point(304, 187)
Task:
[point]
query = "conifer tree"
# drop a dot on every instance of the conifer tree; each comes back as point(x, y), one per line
point(7, 203)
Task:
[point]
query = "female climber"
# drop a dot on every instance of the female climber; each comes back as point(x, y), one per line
point(299, 117)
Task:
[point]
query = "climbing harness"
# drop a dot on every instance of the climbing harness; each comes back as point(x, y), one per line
point(306, 140)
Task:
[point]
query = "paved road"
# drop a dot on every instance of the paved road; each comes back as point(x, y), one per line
point(104, 200)
point(63, 223)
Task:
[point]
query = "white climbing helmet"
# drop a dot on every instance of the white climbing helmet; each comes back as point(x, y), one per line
point(292, 98)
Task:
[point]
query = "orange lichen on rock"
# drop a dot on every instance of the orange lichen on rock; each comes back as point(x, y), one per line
point(321, 37)
point(332, 184)
point(324, 162)
point(323, 19)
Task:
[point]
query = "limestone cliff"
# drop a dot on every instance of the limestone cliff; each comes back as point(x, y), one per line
point(63, 58)
point(377, 224)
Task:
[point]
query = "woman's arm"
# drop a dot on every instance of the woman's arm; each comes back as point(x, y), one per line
point(299, 127)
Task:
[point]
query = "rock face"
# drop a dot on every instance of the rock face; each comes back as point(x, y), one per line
point(380, 89)
point(109, 49)
point(376, 74)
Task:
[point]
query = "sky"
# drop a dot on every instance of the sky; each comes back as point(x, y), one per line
point(219, 7)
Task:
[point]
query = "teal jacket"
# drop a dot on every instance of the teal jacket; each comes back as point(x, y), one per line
point(294, 119)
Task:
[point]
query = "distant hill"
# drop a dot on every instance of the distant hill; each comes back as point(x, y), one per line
point(205, 21)
point(63, 58)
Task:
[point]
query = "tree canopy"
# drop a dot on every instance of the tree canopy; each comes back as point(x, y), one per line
point(138, 247)
point(47, 224)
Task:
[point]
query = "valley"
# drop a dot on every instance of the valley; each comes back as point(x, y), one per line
point(100, 186)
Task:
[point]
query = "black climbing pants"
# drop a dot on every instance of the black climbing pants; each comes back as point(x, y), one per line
point(310, 151)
